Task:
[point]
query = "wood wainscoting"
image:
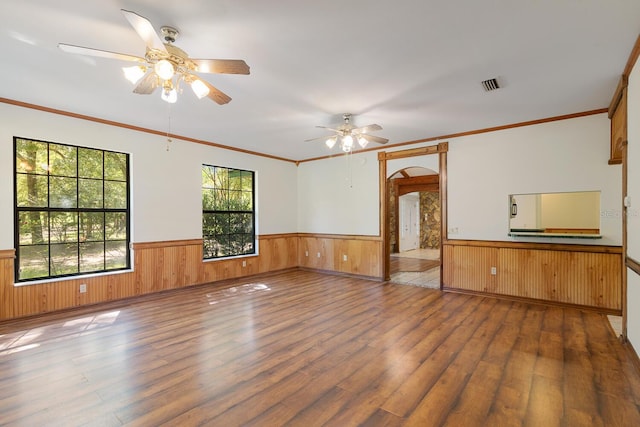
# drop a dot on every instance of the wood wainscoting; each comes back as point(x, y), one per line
point(578, 275)
point(327, 252)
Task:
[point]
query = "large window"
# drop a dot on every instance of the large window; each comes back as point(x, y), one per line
point(71, 210)
point(228, 213)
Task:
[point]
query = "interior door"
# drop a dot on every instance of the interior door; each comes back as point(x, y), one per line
point(409, 222)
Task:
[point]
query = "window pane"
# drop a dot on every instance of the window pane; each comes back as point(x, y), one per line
point(31, 190)
point(235, 180)
point(34, 262)
point(89, 163)
point(116, 226)
point(235, 224)
point(235, 200)
point(222, 245)
point(62, 160)
point(62, 192)
point(235, 244)
point(248, 245)
point(115, 166)
point(116, 256)
point(247, 223)
point(208, 176)
point(247, 201)
point(92, 226)
point(64, 227)
point(247, 181)
point(221, 201)
point(209, 248)
point(92, 256)
point(64, 259)
point(221, 178)
point(208, 225)
point(115, 195)
point(33, 228)
point(31, 156)
point(208, 199)
point(90, 193)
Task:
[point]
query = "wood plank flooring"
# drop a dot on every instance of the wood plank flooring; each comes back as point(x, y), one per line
point(306, 349)
point(397, 264)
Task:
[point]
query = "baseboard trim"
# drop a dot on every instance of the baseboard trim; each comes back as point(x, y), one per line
point(534, 301)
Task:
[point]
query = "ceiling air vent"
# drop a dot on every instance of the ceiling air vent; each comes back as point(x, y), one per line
point(491, 84)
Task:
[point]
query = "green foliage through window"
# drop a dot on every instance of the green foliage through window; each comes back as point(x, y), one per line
point(228, 213)
point(72, 210)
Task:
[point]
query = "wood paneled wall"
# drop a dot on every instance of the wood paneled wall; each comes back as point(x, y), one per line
point(160, 266)
point(580, 275)
point(327, 253)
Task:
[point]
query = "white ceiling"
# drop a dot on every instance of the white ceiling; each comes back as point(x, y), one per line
point(412, 66)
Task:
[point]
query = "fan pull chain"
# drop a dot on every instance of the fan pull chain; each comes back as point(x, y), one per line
point(349, 170)
point(169, 140)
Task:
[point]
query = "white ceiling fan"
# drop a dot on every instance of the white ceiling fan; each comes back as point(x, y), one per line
point(347, 134)
point(165, 65)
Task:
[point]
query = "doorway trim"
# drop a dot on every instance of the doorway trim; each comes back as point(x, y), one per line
point(441, 149)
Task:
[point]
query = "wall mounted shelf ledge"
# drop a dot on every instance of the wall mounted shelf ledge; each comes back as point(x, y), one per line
point(561, 235)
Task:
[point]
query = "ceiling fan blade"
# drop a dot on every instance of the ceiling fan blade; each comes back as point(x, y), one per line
point(215, 94)
point(328, 128)
point(373, 138)
point(222, 66)
point(147, 84)
point(367, 129)
point(145, 30)
point(318, 138)
point(69, 48)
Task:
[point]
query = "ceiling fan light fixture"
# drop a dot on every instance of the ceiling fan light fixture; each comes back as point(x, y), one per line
point(134, 73)
point(170, 96)
point(330, 142)
point(169, 93)
point(362, 141)
point(199, 88)
point(164, 69)
point(347, 143)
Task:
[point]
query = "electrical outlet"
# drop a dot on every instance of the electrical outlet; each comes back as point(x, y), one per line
point(244, 263)
point(493, 271)
point(344, 257)
point(318, 254)
point(83, 288)
point(306, 253)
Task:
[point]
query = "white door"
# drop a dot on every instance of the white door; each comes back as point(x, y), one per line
point(409, 222)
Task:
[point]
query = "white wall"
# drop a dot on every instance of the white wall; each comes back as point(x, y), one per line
point(165, 185)
point(633, 212)
point(566, 155)
point(339, 195)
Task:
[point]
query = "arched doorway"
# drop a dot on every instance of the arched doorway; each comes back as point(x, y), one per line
point(414, 224)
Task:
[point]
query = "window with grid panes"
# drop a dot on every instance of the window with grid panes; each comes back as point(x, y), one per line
point(71, 210)
point(228, 212)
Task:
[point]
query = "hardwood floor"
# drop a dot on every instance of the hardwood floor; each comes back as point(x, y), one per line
point(305, 349)
point(397, 264)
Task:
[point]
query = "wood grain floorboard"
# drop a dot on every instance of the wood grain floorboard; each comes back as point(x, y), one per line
point(305, 349)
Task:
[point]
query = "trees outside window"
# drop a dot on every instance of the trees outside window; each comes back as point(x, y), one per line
point(71, 210)
point(228, 212)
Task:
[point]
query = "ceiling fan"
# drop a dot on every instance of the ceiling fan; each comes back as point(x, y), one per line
point(347, 134)
point(165, 65)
